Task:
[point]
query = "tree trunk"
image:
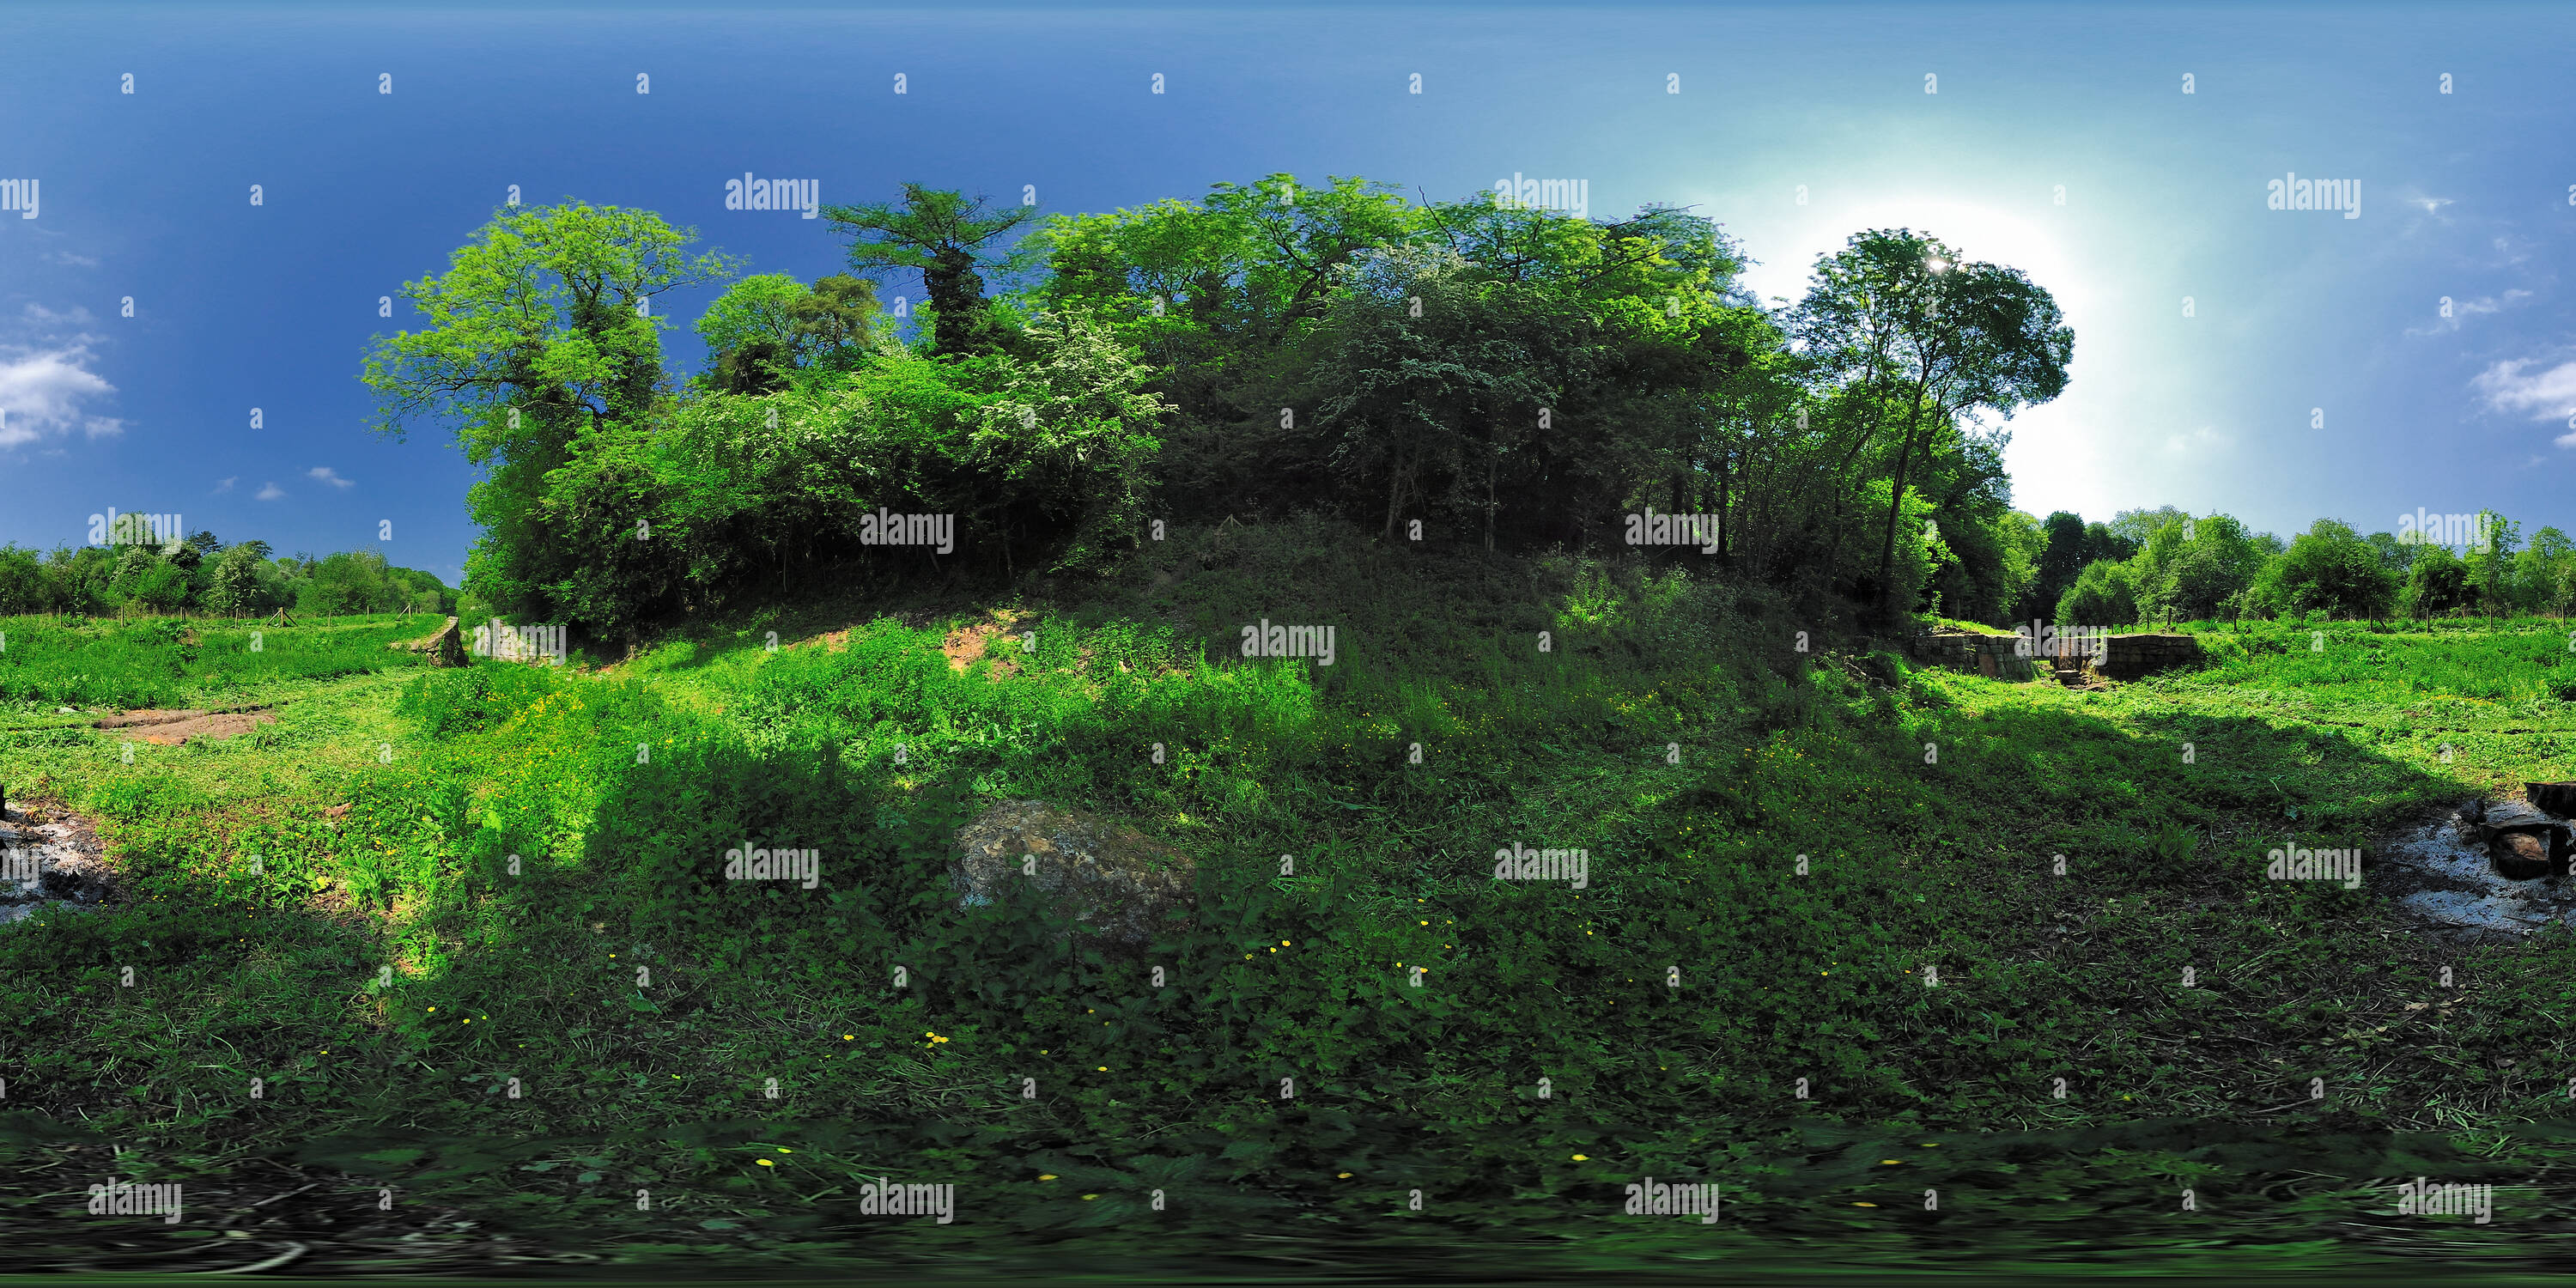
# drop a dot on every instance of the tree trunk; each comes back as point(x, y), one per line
point(1895, 510)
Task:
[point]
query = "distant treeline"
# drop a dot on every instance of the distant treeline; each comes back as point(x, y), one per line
point(2165, 564)
point(201, 574)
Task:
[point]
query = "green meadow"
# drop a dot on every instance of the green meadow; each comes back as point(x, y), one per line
point(1825, 956)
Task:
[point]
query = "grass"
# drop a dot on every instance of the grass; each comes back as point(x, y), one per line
point(525, 888)
point(167, 662)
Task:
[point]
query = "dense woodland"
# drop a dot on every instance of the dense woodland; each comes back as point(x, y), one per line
point(1510, 377)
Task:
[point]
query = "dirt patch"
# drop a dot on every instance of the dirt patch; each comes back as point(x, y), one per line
point(173, 728)
point(137, 719)
point(967, 643)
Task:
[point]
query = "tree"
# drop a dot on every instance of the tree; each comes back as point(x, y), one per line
point(539, 338)
point(2060, 561)
point(2138, 526)
point(945, 237)
point(25, 586)
point(1211, 289)
point(2191, 568)
point(2024, 544)
point(2101, 543)
point(2437, 583)
point(234, 588)
point(2488, 560)
point(1933, 338)
point(835, 324)
point(2538, 570)
point(1407, 401)
point(766, 328)
point(2102, 595)
point(750, 334)
point(2395, 555)
point(2329, 569)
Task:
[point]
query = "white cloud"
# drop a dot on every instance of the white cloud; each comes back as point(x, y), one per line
point(323, 474)
point(269, 492)
point(2567, 439)
point(226, 485)
point(70, 260)
point(42, 392)
point(2541, 395)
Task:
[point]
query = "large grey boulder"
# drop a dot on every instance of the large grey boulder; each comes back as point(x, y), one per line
point(1118, 884)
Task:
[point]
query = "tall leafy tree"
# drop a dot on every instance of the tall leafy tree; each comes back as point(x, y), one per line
point(1931, 337)
point(2061, 560)
point(948, 238)
point(2329, 569)
point(2488, 561)
point(540, 338)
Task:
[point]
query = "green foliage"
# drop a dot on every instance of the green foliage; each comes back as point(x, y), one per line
point(526, 968)
point(449, 702)
point(2328, 569)
point(538, 343)
point(1931, 338)
point(767, 330)
point(2104, 594)
point(238, 582)
point(168, 663)
point(946, 237)
point(1040, 456)
point(2437, 582)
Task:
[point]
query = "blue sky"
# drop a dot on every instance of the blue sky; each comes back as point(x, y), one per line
point(2465, 195)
